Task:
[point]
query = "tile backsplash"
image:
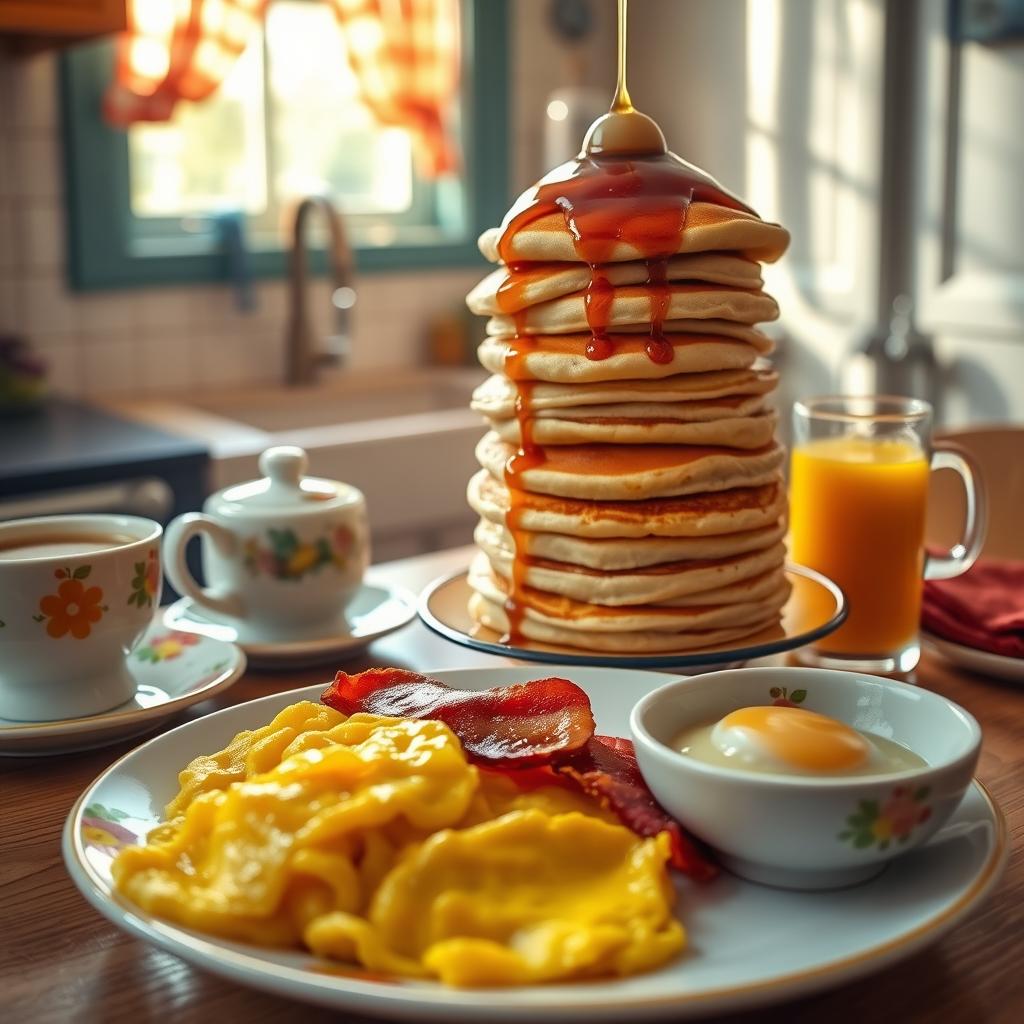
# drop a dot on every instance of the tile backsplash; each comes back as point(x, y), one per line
point(155, 340)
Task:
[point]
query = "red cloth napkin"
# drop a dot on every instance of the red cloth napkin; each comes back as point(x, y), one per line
point(984, 608)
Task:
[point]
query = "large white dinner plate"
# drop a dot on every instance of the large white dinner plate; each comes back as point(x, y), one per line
point(749, 945)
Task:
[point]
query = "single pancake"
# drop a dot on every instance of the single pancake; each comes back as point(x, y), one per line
point(624, 426)
point(562, 359)
point(633, 472)
point(632, 305)
point(621, 553)
point(509, 290)
point(703, 514)
point(498, 396)
point(492, 615)
point(709, 228)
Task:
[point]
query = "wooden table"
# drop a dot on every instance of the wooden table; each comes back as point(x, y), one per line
point(61, 961)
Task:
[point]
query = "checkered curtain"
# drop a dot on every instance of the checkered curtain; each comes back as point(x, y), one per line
point(405, 54)
point(176, 50)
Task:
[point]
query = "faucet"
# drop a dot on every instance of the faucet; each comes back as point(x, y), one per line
point(303, 355)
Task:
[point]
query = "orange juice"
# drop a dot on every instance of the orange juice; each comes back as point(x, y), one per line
point(857, 514)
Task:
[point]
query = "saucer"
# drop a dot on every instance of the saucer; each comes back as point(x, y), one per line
point(816, 607)
point(173, 670)
point(377, 609)
point(999, 666)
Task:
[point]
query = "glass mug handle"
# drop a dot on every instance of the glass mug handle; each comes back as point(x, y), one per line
point(965, 552)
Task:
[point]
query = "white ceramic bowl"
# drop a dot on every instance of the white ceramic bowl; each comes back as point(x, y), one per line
point(803, 832)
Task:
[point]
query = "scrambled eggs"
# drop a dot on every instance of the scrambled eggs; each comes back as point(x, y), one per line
point(373, 840)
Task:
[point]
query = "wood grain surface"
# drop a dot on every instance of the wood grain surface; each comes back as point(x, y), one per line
point(60, 961)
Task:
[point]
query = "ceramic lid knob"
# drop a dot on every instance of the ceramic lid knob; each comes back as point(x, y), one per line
point(282, 489)
point(285, 466)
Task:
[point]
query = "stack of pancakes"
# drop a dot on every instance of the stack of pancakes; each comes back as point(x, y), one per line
point(631, 498)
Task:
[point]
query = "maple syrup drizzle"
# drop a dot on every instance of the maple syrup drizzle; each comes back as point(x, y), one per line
point(622, 103)
point(624, 189)
point(571, 344)
point(529, 456)
point(640, 201)
point(512, 292)
point(597, 301)
point(659, 348)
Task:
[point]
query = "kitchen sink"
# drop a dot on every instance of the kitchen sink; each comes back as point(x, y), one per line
point(405, 438)
point(302, 408)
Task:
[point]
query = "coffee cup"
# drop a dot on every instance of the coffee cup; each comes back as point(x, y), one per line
point(282, 555)
point(76, 594)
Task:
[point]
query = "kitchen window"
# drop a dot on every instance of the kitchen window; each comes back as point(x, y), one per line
point(145, 205)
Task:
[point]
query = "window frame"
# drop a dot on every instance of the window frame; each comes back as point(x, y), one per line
point(103, 251)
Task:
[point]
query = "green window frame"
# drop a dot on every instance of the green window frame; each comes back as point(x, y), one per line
point(105, 252)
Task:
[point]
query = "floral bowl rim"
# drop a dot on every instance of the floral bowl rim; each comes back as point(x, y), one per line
point(656, 701)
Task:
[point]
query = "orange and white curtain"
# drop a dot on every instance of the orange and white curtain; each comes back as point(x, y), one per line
point(405, 55)
point(176, 50)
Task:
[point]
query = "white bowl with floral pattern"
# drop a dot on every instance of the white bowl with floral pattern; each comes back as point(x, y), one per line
point(808, 832)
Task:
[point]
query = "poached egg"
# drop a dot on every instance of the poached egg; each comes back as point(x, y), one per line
point(793, 741)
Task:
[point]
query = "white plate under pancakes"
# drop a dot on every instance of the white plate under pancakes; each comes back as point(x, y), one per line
point(815, 608)
point(748, 945)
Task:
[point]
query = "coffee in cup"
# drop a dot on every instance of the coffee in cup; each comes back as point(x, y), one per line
point(62, 543)
point(76, 594)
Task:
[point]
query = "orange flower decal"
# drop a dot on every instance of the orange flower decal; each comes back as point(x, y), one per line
point(74, 609)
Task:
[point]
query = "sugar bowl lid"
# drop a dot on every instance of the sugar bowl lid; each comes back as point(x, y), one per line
point(284, 487)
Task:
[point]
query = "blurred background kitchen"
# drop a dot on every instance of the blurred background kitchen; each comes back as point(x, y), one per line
point(166, 166)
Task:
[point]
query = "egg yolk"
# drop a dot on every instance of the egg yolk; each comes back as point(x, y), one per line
point(801, 739)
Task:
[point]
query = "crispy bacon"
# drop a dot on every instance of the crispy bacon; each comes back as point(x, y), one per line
point(519, 725)
point(607, 770)
point(538, 733)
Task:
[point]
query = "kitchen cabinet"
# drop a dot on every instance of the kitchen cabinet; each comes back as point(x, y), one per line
point(34, 24)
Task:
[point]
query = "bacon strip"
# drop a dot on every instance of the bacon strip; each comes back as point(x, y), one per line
point(607, 770)
point(519, 725)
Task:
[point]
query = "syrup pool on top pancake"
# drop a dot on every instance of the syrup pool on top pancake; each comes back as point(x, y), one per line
point(793, 741)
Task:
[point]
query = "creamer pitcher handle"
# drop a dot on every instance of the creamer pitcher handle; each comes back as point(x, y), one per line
point(179, 532)
point(965, 552)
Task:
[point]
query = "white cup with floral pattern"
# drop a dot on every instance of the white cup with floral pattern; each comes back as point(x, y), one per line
point(283, 555)
point(76, 594)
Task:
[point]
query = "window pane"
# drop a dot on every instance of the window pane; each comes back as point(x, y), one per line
point(324, 139)
point(210, 155)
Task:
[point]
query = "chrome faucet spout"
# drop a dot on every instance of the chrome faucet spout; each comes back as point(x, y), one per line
point(304, 355)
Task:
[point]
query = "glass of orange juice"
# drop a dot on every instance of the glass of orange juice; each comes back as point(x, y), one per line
point(858, 496)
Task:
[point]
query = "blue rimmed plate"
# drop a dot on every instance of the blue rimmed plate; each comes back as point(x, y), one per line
point(816, 607)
